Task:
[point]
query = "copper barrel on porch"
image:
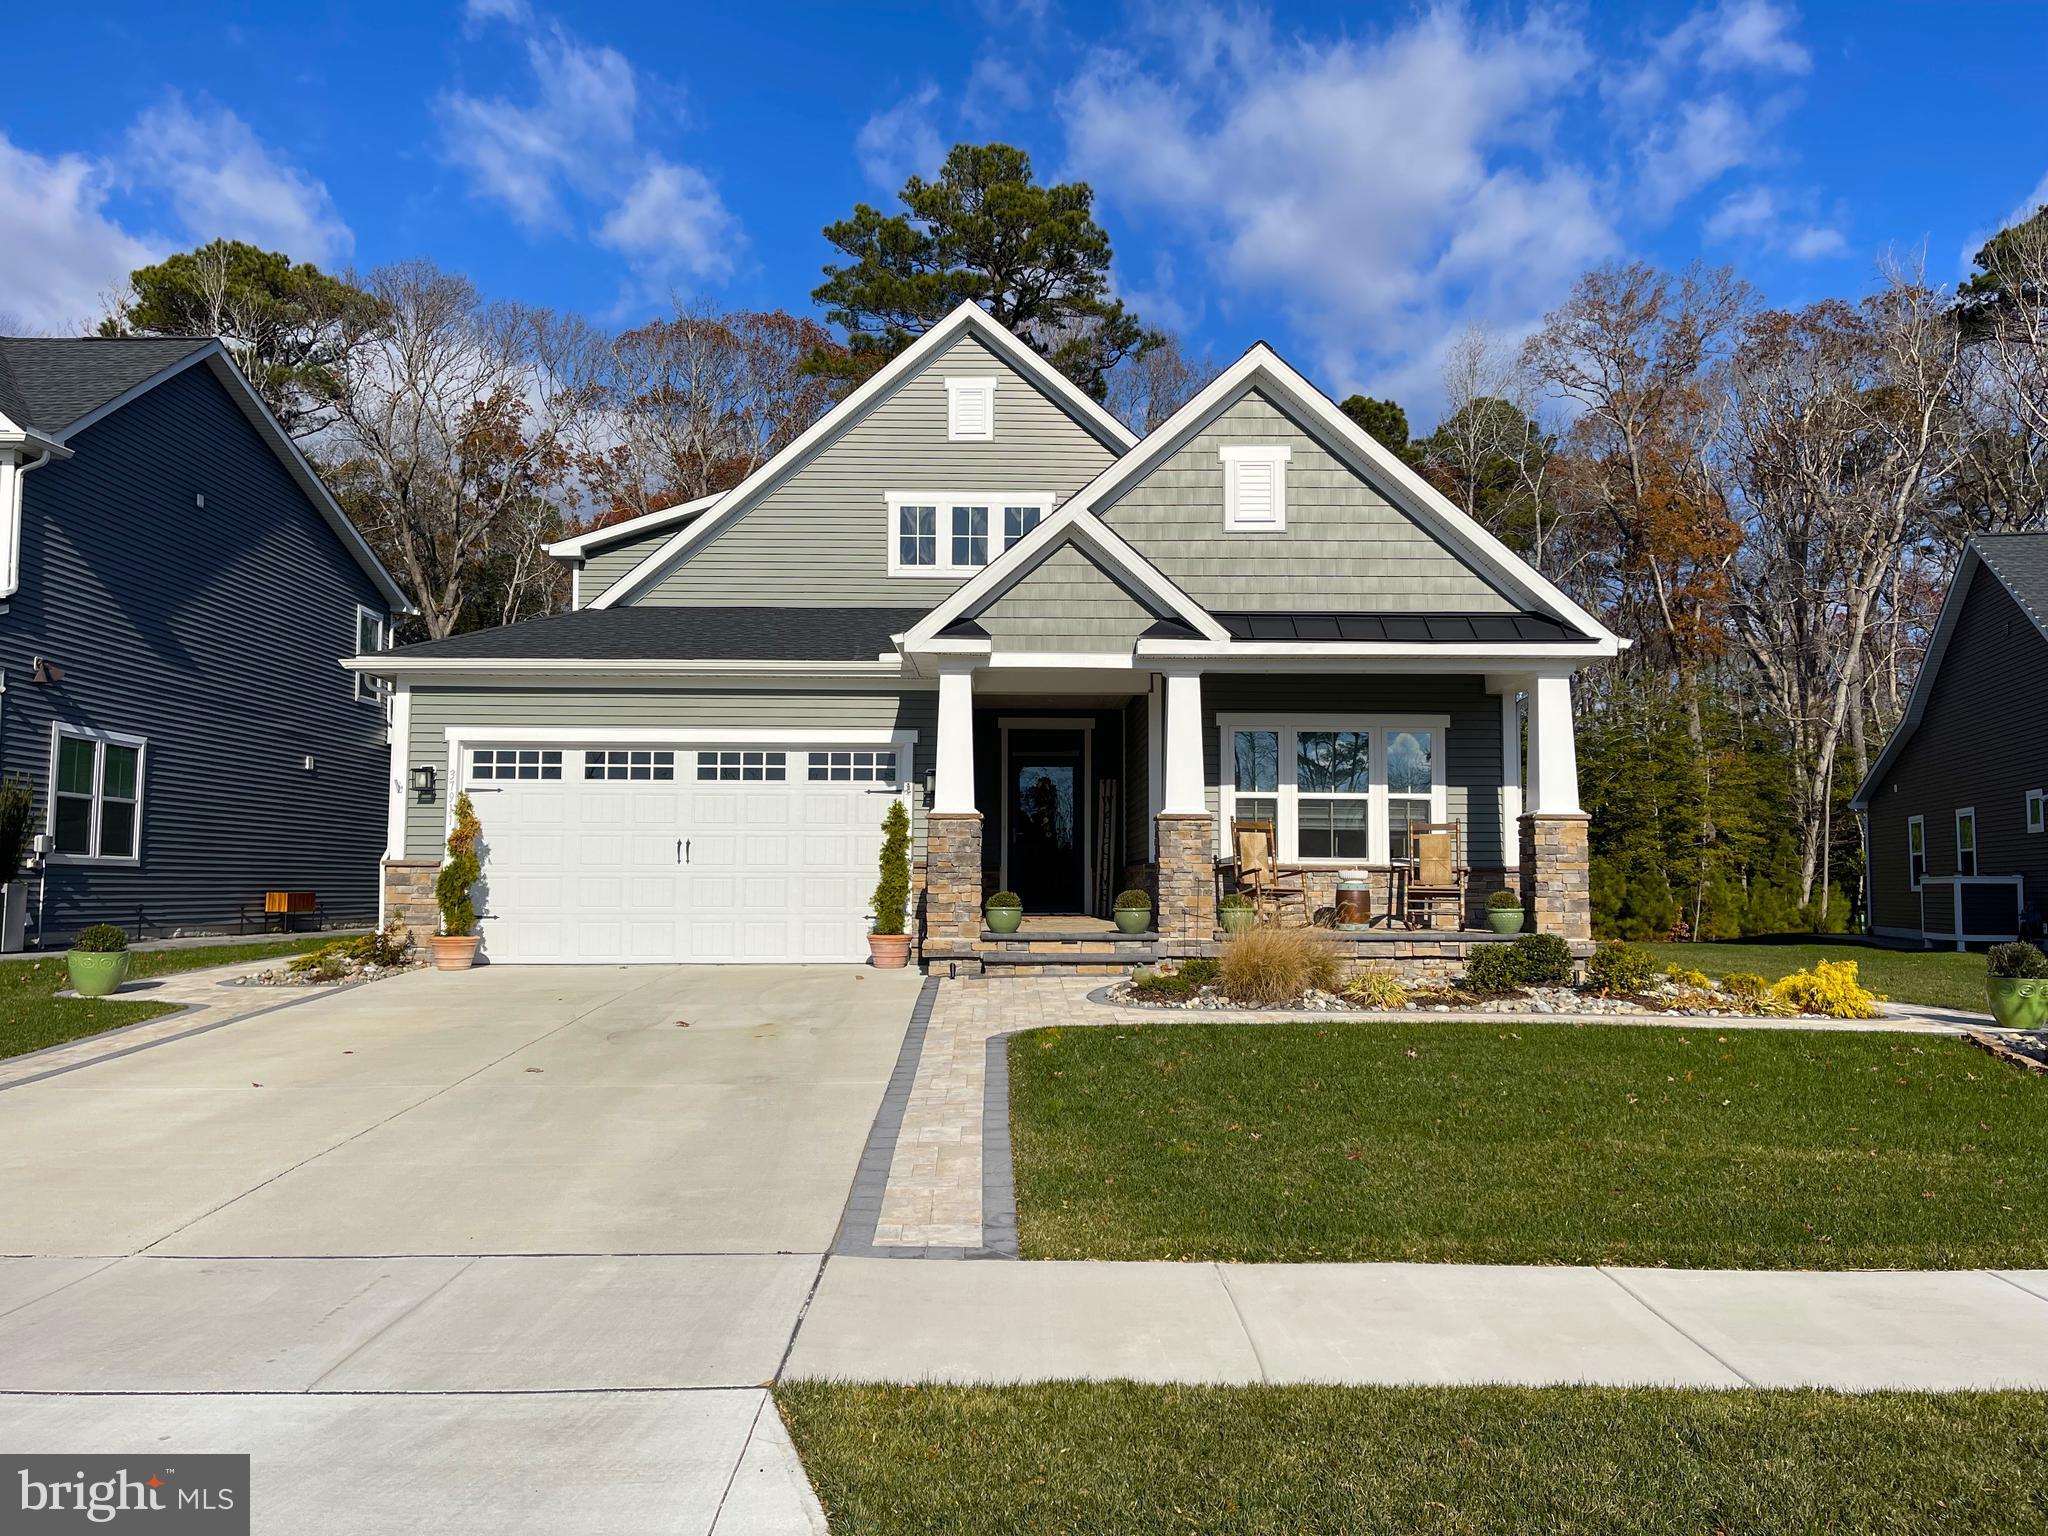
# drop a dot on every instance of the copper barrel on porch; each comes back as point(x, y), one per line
point(1354, 899)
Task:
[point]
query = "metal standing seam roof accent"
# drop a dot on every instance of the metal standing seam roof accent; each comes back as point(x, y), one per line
point(1397, 628)
point(47, 383)
point(681, 634)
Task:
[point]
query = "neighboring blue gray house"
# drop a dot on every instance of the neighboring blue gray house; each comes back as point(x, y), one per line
point(177, 590)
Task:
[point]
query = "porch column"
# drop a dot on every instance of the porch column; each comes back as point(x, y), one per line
point(1186, 830)
point(952, 897)
point(1556, 883)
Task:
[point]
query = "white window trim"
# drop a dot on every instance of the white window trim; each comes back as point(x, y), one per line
point(986, 388)
point(1267, 453)
point(101, 740)
point(1975, 864)
point(942, 526)
point(1377, 844)
point(368, 684)
point(2037, 810)
point(1913, 880)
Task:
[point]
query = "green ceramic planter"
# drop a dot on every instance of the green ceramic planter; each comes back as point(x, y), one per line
point(1002, 919)
point(96, 975)
point(2016, 1003)
point(1239, 919)
point(1504, 919)
point(1133, 919)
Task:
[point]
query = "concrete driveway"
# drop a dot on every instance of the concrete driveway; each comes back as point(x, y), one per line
point(566, 1218)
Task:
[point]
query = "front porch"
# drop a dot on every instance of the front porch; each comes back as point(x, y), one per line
point(1069, 785)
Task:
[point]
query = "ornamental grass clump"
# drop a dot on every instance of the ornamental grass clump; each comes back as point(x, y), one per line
point(1271, 967)
point(1376, 986)
point(1830, 990)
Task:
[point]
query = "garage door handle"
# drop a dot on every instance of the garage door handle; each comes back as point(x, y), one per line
point(682, 850)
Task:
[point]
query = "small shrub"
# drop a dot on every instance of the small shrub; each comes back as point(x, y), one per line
point(1504, 900)
point(1829, 990)
point(330, 962)
point(1624, 967)
point(1699, 981)
point(1004, 899)
point(452, 887)
point(1133, 901)
point(1176, 985)
point(892, 886)
point(17, 810)
point(1542, 960)
point(1491, 968)
point(1752, 993)
point(1267, 967)
point(1235, 901)
point(101, 939)
point(2017, 962)
point(1377, 986)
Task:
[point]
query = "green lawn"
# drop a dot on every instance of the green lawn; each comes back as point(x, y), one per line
point(1119, 1459)
point(1465, 1142)
point(1940, 977)
point(32, 1016)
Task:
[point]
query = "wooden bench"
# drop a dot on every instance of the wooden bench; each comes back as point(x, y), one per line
point(286, 908)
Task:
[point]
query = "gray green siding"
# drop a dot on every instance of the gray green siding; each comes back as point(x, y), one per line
point(1472, 759)
point(820, 537)
point(745, 712)
point(604, 566)
point(1345, 547)
point(1066, 602)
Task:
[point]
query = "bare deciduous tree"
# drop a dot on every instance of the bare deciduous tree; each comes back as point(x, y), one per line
point(1149, 386)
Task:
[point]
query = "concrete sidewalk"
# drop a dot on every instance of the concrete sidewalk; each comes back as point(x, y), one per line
point(1430, 1324)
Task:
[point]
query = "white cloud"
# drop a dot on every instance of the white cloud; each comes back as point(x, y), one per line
point(1381, 191)
point(901, 141)
point(1707, 140)
point(572, 154)
point(1816, 242)
point(59, 252)
point(1759, 217)
point(222, 181)
point(1752, 35)
point(995, 85)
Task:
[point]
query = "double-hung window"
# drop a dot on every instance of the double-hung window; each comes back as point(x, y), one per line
point(96, 795)
point(1966, 842)
point(1337, 789)
point(1916, 851)
point(373, 634)
point(955, 533)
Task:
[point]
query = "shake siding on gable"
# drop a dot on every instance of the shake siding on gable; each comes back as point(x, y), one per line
point(1344, 548)
point(217, 632)
point(1982, 742)
point(1066, 603)
point(820, 538)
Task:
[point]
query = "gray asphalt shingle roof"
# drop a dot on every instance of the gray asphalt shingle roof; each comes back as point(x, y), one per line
point(2020, 561)
point(49, 382)
point(683, 634)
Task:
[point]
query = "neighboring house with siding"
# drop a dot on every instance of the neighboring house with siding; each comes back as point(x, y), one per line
point(177, 593)
point(1955, 809)
point(1077, 656)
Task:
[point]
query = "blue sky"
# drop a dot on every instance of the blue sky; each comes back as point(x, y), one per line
point(1356, 184)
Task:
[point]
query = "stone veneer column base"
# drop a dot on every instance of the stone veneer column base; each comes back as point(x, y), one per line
point(409, 896)
point(1187, 877)
point(952, 894)
point(1557, 885)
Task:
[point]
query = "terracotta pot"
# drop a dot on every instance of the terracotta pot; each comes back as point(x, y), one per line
point(889, 951)
point(454, 952)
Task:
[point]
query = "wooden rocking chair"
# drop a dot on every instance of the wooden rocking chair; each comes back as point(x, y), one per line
point(1437, 883)
point(1271, 889)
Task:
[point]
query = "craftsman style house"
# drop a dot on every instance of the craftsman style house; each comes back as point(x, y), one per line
point(176, 589)
point(1955, 809)
point(1078, 656)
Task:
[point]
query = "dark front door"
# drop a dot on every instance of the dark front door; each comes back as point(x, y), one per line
point(1045, 797)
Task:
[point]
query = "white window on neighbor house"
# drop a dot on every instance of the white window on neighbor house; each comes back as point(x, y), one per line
point(970, 410)
point(2037, 810)
point(1966, 842)
point(373, 634)
point(95, 795)
point(1254, 487)
point(953, 533)
point(1916, 851)
point(1336, 790)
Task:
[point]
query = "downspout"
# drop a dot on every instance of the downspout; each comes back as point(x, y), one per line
point(11, 494)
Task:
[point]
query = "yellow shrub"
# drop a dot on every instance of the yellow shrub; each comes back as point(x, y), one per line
point(1699, 981)
point(1264, 967)
point(1830, 990)
point(1376, 986)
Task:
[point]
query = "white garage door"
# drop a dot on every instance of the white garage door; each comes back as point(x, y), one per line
point(747, 853)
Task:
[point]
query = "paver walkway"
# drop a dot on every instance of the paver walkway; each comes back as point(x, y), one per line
point(933, 1198)
point(1409, 1324)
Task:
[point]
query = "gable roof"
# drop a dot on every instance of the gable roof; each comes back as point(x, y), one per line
point(67, 384)
point(968, 317)
point(583, 544)
point(2019, 563)
point(1264, 369)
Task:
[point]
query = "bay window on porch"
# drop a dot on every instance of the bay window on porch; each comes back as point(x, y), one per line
point(1336, 789)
